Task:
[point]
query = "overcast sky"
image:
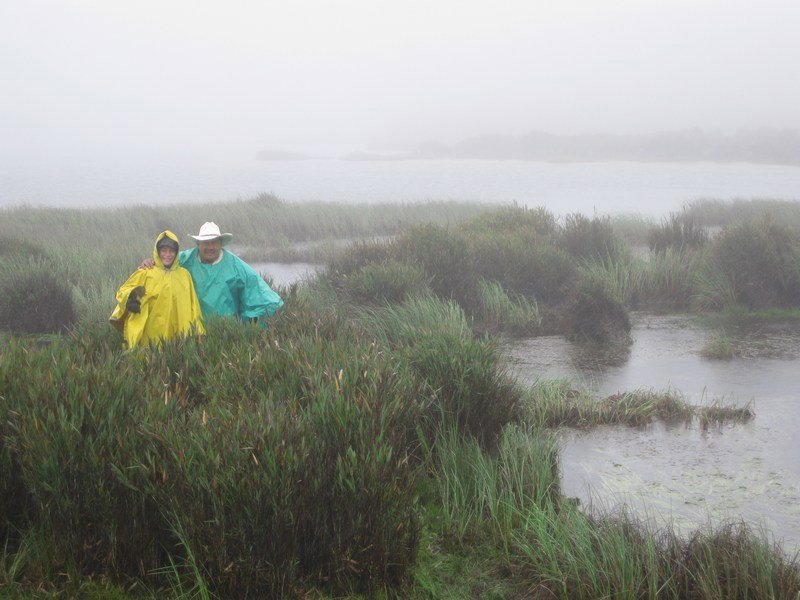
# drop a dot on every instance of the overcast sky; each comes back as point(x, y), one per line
point(88, 75)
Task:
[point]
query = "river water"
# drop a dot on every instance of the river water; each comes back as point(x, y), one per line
point(605, 188)
point(683, 474)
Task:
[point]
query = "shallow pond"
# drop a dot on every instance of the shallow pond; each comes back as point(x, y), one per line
point(681, 473)
point(285, 274)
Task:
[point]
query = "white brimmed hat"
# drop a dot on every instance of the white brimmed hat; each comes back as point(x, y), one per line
point(210, 231)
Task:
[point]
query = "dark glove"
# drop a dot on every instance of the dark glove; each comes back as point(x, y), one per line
point(133, 304)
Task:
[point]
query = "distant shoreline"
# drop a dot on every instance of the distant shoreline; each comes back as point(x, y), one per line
point(693, 145)
point(765, 147)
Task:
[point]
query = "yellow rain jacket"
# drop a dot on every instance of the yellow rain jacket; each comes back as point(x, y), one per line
point(168, 300)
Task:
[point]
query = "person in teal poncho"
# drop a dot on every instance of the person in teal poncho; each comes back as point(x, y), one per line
point(225, 284)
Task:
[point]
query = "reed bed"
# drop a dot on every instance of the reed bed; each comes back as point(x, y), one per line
point(555, 403)
point(712, 213)
point(266, 461)
point(719, 347)
point(500, 311)
point(261, 222)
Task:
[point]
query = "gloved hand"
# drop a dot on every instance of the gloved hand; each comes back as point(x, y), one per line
point(133, 304)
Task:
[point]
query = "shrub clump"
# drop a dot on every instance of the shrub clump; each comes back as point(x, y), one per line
point(587, 238)
point(536, 269)
point(462, 374)
point(35, 300)
point(760, 262)
point(390, 281)
point(444, 255)
point(596, 315)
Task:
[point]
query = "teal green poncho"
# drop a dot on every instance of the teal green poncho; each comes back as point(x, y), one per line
point(230, 287)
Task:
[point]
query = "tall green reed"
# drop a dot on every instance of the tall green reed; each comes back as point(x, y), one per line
point(463, 374)
point(501, 311)
point(281, 456)
point(482, 493)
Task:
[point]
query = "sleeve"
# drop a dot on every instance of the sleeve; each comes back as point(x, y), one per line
point(117, 318)
point(257, 299)
point(195, 311)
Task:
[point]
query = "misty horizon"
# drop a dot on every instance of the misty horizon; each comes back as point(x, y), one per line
point(87, 77)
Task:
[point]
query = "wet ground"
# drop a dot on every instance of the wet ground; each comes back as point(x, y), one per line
point(681, 473)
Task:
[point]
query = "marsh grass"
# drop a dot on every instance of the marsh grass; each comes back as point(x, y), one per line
point(249, 462)
point(720, 347)
point(718, 413)
point(671, 280)
point(715, 291)
point(482, 494)
point(525, 250)
point(620, 557)
point(590, 238)
point(375, 448)
point(626, 279)
point(758, 262)
point(736, 318)
point(720, 213)
point(733, 561)
point(36, 299)
point(499, 311)
point(555, 403)
point(679, 232)
point(391, 281)
point(632, 229)
point(274, 449)
point(461, 372)
point(260, 222)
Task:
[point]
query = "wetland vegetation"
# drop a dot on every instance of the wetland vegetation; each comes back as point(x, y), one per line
point(369, 442)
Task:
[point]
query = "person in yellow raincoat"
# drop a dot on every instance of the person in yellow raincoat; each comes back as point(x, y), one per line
point(161, 303)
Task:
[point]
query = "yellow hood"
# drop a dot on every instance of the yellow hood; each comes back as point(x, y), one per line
point(157, 258)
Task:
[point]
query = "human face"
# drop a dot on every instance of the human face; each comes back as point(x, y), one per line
point(209, 250)
point(167, 255)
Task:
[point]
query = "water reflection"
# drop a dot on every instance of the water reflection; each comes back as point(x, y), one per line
point(593, 358)
point(676, 472)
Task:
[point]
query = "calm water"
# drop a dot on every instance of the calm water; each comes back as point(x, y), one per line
point(285, 274)
point(651, 189)
point(678, 472)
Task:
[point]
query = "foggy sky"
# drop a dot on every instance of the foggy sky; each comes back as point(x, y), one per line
point(149, 76)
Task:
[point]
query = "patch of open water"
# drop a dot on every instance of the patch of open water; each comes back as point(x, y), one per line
point(678, 473)
point(285, 274)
